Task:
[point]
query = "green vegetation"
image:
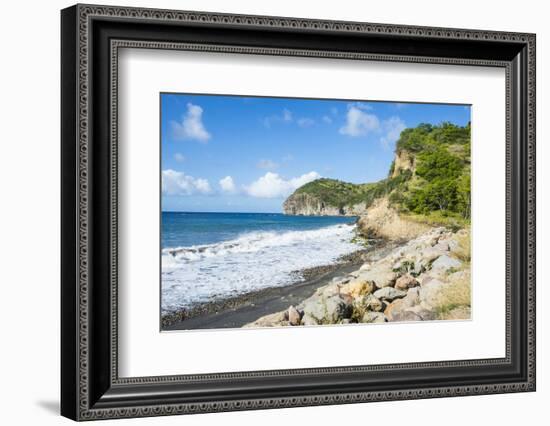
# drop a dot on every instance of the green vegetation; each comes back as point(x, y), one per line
point(339, 194)
point(442, 176)
point(417, 139)
point(435, 191)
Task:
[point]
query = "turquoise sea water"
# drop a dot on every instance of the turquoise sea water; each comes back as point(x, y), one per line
point(181, 229)
point(207, 256)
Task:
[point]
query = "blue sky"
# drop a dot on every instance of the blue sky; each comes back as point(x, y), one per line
point(247, 154)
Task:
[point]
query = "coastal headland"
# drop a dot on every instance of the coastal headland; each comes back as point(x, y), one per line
point(415, 228)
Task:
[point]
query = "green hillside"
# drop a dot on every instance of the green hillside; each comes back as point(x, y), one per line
point(437, 181)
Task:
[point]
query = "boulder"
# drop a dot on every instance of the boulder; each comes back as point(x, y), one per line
point(406, 315)
point(366, 303)
point(405, 282)
point(389, 293)
point(413, 297)
point(326, 310)
point(381, 275)
point(424, 314)
point(430, 254)
point(393, 309)
point(294, 316)
point(442, 245)
point(309, 320)
point(374, 317)
point(411, 300)
point(358, 287)
point(445, 263)
point(277, 319)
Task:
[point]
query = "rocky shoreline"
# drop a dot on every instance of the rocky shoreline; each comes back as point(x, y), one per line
point(312, 278)
point(425, 278)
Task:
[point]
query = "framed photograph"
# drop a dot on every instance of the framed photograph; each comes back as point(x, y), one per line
point(263, 212)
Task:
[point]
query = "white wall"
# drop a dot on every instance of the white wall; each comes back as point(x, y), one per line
point(29, 217)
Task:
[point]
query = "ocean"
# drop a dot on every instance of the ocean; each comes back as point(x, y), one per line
point(210, 256)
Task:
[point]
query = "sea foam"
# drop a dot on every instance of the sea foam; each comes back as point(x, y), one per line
point(253, 261)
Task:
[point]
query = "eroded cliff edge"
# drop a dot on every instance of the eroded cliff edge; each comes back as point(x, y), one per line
point(427, 182)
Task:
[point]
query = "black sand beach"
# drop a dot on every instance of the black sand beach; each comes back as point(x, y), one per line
point(243, 309)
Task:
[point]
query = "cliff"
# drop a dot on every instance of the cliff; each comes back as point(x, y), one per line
point(429, 176)
point(305, 204)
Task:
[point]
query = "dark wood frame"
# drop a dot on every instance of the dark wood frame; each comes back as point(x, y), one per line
point(91, 37)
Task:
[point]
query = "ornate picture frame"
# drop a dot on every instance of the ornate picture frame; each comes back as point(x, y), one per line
point(91, 37)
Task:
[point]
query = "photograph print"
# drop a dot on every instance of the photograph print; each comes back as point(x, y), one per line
point(291, 212)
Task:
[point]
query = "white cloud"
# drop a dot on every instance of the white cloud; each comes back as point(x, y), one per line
point(272, 185)
point(267, 164)
point(361, 105)
point(392, 128)
point(202, 186)
point(284, 117)
point(305, 122)
point(180, 158)
point(359, 123)
point(287, 115)
point(327, 119)
point(227, 184)
point(191, 126)
point(178, 183)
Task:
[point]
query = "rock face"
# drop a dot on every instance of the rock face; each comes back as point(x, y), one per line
point(304, 204)
point(393, 287)
point(403, 160)
point(308, 205)
point(382, 221)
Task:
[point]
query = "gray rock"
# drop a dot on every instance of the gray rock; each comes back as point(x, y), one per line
point(309, 320)
point(423, 313)
point(431, 254)
point(442, 245)
point(294, 316)
point(389, 293)
point(372, 303)
point(381, 276)
point(374, 317)
point(445, 263)
point(278, 319)
point(326, 310)
point(329, 290)
point(406, 315)
point(367, 303)
point(405, 282)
